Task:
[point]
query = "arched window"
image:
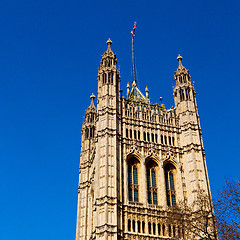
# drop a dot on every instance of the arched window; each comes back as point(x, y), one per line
point(133, 179)
point(187, 94)
point(152, 137)
point(180, 79)
point(161, 139)
point(154, 229)
point(86, 133)
point(139, 135)
point(163, 230)
point(149, 228)
point(130, 133)
point(184, 78)
point(156, 138)
point(135, 134)
point(169, 140)
point(148, 137)
point(133, 226)
point(129, 225)
point(126, 133)
point(144, 136)
point(159, 229)
point(165, 139)
point(169, 230)
point(182, 97)
point(152, 182)
point(170, 184)
point(143, 227)
point(138, 226)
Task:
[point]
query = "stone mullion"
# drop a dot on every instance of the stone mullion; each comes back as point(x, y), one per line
point(144, 182)
point(162, 198)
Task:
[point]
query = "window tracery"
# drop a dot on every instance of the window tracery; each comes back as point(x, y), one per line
point(170, 184)
point(133, 186)
point(152, 182)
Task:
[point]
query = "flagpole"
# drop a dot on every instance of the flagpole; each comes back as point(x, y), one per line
point(133, 61)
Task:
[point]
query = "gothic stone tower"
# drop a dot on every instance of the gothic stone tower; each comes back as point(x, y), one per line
point(137, 159)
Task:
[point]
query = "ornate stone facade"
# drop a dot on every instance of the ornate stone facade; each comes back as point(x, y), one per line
point(138, 159)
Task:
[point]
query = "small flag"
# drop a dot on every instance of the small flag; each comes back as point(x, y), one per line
point(133, 31)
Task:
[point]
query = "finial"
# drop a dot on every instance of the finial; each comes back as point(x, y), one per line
point(134, 84)
point(179, 58)
point(146, 91)
point(109, 42)
point(92, 96)
point(128, 89)
point(161, 101)
point(92, 101)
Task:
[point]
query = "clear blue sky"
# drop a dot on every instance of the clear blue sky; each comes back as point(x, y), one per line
point(49, 56)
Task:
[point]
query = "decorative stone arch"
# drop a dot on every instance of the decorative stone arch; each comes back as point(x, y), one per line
point(171, 161)
point(171, 170)
point(152, 165)
point(135, 154)
point(153, 158)
point(133, 173)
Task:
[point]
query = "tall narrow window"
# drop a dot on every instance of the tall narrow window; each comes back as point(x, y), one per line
point(149, 228)
point(139, 226)
point(169, 231)
point(143, 227)
point(151, 182)
point(129, 225)
point(133, 180)
point(165, 139)
point(133, 226)
point(152, 137)
point(135, 134)
point(170, 185)
point(159, 229)
point(170, 140)
point(154, 229)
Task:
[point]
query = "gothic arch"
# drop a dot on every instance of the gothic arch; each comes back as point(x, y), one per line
point(133, 169)
point(134, 154)
point(170, 175)
point(170, 161)
point(152, 158)
point(152, 173)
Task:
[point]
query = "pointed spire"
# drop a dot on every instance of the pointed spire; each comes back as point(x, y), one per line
point(92, 105)
point(108, 58)
point(181, 69)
